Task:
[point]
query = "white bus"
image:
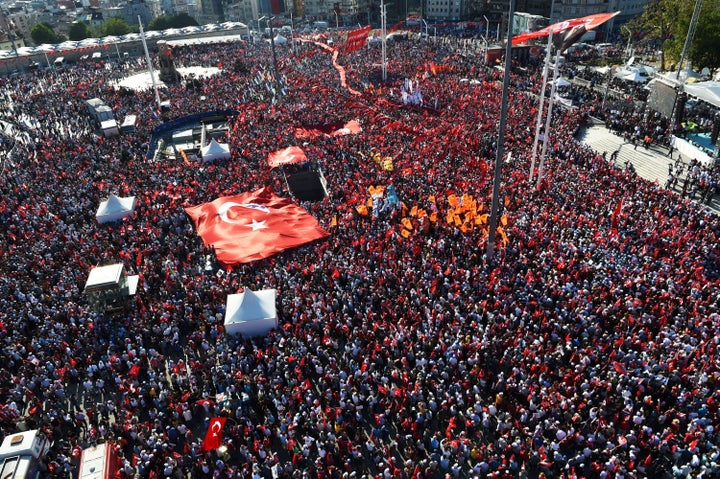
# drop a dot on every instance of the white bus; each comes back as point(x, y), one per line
point(22, 454)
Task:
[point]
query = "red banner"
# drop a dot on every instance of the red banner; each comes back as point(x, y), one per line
point(253, 225)
point(287, 156)
point(333, 129)
point(590, 22)
point(356, 39)
point(214, 436)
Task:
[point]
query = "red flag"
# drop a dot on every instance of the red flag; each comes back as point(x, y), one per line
point(253, 225)
point(287, 156)
point(614, 219)
point(619, 368)
point(328, 130)
point(134, 370)
point(590, 22)
point(213, 437)
point(357, 39)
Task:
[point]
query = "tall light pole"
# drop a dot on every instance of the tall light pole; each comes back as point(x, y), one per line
point(500, 149)
point(149, 64)
point(690, 35)
point(541, 107)
point(487, 28)
point(627, 47)
point(274, 56)
point(11, 36)
point(383, 20)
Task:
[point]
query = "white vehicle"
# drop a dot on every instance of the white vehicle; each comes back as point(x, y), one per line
point(128, 124)
point(21, 455)
point(99, 462)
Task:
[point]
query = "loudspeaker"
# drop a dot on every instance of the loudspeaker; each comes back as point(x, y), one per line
point(715, 134)
point(308, 185)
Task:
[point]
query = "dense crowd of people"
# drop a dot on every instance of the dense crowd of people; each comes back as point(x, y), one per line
point(586, 347)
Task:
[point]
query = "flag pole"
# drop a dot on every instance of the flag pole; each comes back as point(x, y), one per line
point(541, 107)
point(548, 119)
point(500, 140)
point(383, 20)
point(149, 64)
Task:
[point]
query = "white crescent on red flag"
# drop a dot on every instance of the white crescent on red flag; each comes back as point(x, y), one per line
point(214, 436)
point(253, 225)
point(589, 22)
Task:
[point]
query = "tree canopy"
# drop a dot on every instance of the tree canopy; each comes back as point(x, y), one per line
point(664, 24)
point(115, 26)
point(78, 31)
point(176, 21)
point(43, 33)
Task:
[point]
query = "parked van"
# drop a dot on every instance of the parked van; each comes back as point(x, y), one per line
point(22, 455)
point(128, 124)
point(109, 128)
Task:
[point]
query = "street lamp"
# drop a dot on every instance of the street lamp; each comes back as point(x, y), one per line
point(274, 55)
point(11, 36)
point(487, 28)
point(627, 48)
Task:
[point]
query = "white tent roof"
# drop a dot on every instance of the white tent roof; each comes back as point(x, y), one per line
point(115, 208)
point(279, 39)
point(707, 91)
point(562, 82)
point(102, 277)
point(251, 313)
point(634, 76)
point(215, 151)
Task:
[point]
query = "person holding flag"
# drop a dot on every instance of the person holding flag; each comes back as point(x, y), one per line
point(214, 436)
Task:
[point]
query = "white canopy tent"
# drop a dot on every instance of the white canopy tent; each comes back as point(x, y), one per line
point(632, 74)
point(215, 151)
point(251, 313)
point(280, 40)
point(115, 209)
point(707, 91)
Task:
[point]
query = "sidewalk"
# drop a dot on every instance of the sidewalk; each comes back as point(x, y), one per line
point(649, 163)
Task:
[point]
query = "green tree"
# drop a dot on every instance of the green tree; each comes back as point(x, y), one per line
point(78, 31)
point(184, 20)
point(176, 21)
point(665, 24)
point(43, 33)
point(657, 24)
point(115, 26)
point(159, 23)
point(705, 49)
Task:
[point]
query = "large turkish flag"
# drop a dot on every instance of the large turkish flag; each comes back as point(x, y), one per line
point(214, 435)
point(253, 225)
point(287, 156)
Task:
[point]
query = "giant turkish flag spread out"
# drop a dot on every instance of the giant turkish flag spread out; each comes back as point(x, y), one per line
point(253, 225)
